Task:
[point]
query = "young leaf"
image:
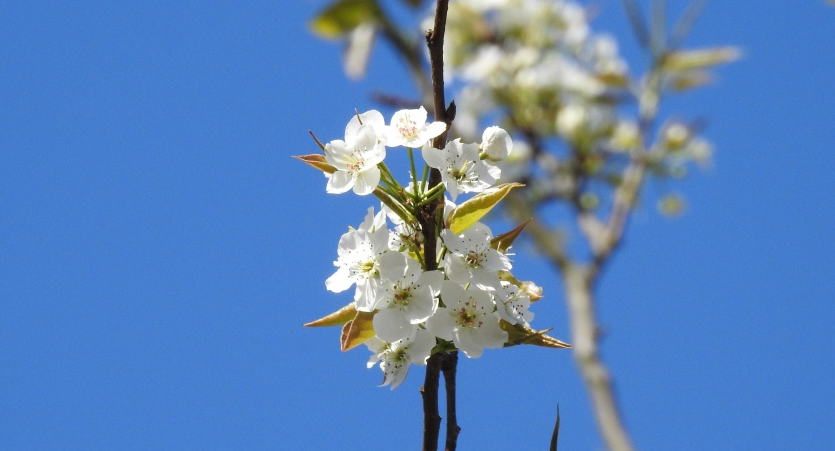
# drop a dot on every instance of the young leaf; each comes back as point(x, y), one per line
point(502, 242)
point(336, 318)
point(684, 60)
point(357, 331)
point(520, 334)
point(474, 209)
point(343, 16)
point(317, 161)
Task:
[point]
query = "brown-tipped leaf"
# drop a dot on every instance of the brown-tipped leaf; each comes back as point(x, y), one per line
point(474, 209)
point(503, 242)
point(357, 331)
point(519, 334)
point(336, 318)
point(317, 161)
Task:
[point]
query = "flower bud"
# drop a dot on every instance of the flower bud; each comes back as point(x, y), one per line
point(571, 119)
point(676, 136)
point(496, 143)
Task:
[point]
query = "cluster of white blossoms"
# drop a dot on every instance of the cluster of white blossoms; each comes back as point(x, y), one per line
point(462, 304)
point(529, 55)
point(539, 65)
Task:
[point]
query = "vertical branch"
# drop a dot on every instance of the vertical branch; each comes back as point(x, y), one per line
point(429, 393)
point(438, 362)
point(449, 368)
point(578, 280)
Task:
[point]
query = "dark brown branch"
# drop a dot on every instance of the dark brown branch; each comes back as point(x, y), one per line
point(449, 368)
point(429, 392)
point(428, 225)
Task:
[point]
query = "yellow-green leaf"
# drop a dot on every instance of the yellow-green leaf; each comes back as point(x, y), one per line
point(684, 60)
point(336, 318)
point(357, 331)
point(689, 80)
point(474, 209)
point(317, 161)
point(519, 334)
point(503, 242)
point(343, 16)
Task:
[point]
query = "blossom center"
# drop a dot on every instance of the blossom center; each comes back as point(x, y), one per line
point(407, 128)
point(402, 296)
point(466, 316)
point(357, 163)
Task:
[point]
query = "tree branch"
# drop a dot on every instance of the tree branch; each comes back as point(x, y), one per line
point(449, 367)
point(579, 280)
point(446, 361)
point(429, 393)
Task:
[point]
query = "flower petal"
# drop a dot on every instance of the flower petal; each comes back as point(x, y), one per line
point(340, 182)
point(366, 181)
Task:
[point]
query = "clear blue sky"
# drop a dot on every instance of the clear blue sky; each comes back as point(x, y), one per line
point(159, 248)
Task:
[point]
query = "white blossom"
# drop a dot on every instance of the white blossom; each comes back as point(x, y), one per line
point(396, 357)
point(358, 263)
point(512, 304)
point(409, 128)
point(355, 160)
point(467, 320)
point(471, 259)
point(408, 296)
point(461, 169)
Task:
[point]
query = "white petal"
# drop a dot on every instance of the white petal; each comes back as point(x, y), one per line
point(490, 334)
point(464, 340)
point(340, 280)
point(366, 181)
point(434, 279)
point(392, 266)
point(441, 324)
point(434, 157)
point(367, 295)
point(372, 117)
point(391, 325)
point(433, 130)
point(457, 270)
point(421, 307)
point(340, 182)
point(421, 348)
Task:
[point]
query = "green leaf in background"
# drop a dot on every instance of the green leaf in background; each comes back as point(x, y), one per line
point(474, 209)
point(343, 16)
point(685, 60)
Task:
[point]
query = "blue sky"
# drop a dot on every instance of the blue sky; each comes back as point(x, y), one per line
point(159, 248)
